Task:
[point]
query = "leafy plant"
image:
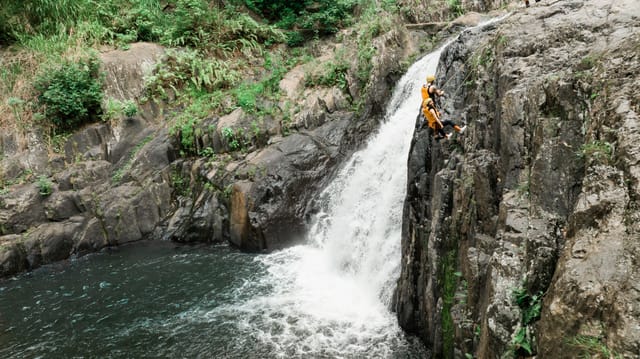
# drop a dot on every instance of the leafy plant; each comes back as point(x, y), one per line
point(308, 18)
point(112, 109)
point(16, 106)
point(601, 151)
point(226, 31)
point(255, 128)
point(57, 141)
point(248, 93)
point(180, 184)
point(130, 108)
point(9, 74)
point(45, 187)
point(371, 25)
point(522, 341)
point(208, 152)
point(186, 68)
point(70, 95)
point(228, 190)
point(334, 73)
point(530, 309)
point(187, 124)
point(42, 16)
point(232, 139)
point(531, 305)
point(455, 7)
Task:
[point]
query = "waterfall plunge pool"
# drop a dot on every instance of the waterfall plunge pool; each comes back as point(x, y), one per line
point(151, 300)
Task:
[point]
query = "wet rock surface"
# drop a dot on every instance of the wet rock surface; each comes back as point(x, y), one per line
point(520, 237)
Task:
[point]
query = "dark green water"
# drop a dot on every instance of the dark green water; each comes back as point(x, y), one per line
point(129, 303)
point(154, 300)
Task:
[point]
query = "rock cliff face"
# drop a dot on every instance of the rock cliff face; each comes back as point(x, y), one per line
point(522, 235)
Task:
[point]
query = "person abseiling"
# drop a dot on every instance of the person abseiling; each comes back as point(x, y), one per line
point(429, 90)
point(432, 116)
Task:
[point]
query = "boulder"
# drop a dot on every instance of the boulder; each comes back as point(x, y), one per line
point(126, 69)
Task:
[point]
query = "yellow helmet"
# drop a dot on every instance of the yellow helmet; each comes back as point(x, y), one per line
point(431, 78)
point(427, 101)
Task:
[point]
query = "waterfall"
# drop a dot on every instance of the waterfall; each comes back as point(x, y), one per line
point(330, 297)
point(357, 233)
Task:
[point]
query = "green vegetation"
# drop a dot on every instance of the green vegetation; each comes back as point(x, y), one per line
point(25, 176)
point(218, 58)
point(180, 184)
point(480, 61)
point(305, 19)
point(587, 346)
point(70, 94)
point(455, 7)
point(449, 284)
point(16, 104)
point(371, 25)
point(45, 187)
point(130, 108)
point(600, 151)
point(114, 109)
point(530, 308)
point(192, 23)
point(231, 138)
point(334, 73)
point(588, 62)
point(189, 68)
point(373, 21)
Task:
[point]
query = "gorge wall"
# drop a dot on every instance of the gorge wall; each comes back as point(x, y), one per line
point(522, 235)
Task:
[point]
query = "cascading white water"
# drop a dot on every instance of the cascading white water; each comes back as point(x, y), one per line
point(331, 296)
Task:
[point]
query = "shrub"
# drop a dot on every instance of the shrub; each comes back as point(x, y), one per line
point(334, 73)
point(70, 95)
point(44, 186)
point(114, 109)
point(309, 17)
point(130, 108)
point(231, 137)
point(196, 23)
point(530, 307)
point(455, 7)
